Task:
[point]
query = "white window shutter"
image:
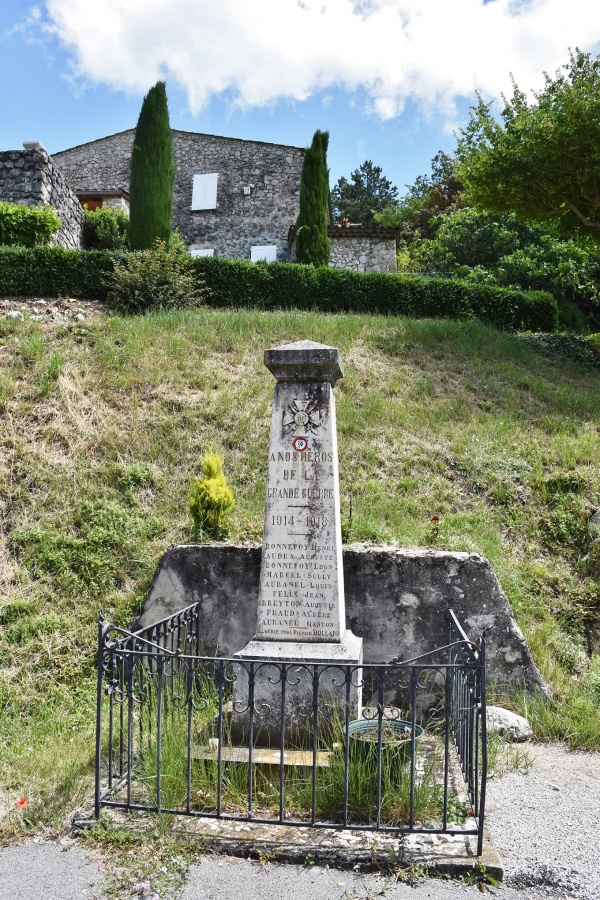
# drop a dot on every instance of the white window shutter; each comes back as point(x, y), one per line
point(204, 191)
point(267, 253)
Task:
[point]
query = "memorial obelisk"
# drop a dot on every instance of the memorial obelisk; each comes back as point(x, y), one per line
point(301, 610)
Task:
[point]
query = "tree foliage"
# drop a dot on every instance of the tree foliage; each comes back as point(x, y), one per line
point(152, 172)
point(429, 196)
point(542, 161)
point(368, 192)
point(485, 248)
point(312, 241)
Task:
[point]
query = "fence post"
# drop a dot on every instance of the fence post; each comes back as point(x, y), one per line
point(483, 715)
point(100, 679)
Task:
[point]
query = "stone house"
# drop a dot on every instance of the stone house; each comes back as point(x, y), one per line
point(361, 249)
point(232, 198)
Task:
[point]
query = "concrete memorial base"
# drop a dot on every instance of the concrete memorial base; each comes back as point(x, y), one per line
point(299, 659)
point(397, 600)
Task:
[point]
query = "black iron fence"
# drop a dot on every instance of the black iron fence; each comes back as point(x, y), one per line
point(390, 747)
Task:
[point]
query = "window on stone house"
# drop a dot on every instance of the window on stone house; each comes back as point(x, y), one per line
point(204, 191)
point(202, 251)
point(267, 253)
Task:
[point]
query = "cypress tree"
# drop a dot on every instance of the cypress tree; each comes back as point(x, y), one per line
point(152, 172)
point(312, 242)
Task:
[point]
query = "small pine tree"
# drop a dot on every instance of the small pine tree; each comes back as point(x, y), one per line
point(152, 172)
point(211, 499)
point(312, 242)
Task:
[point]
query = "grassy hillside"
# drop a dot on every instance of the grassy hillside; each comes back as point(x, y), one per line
point(103, 429)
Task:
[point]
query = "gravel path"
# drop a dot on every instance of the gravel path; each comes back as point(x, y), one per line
point(546, 825)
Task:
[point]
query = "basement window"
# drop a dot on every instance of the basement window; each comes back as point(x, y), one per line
point(204, 191)
point(267, 253)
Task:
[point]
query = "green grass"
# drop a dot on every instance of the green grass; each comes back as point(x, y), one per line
point(103, 430)
point(330, 779)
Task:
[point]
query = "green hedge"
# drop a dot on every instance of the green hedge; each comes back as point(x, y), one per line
point(54, 272)
point(285, 286)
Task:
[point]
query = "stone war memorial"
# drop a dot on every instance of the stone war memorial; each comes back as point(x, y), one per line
point(300, 683)
point(301, 609)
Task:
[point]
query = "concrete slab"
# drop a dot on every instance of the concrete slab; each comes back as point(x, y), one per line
point(454, 855)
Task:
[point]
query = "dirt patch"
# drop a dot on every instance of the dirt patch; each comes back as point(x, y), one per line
point(50, 309)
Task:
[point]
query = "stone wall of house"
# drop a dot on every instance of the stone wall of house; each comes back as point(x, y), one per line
point(257, 194)
point(101, 165)
point(119, 203)
point(368, 253)
point(31, 177)
point(241, 220)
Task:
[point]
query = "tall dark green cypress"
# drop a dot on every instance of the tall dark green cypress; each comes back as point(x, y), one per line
point(312, 242)
point(152, 172)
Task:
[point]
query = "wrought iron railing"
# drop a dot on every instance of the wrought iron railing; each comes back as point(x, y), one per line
point(184, 733)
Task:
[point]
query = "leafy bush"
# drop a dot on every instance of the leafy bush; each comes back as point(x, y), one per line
point(105, 229)
point(162, 277)
point(211, 499)
point(502, 251)
point(593, 340)
point(569, 346)
point(26, 226)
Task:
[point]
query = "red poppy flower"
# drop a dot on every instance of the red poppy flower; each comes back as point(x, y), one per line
point(21, 803)
point(435, 518)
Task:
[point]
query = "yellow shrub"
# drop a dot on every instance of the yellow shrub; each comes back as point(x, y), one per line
point(211, 499)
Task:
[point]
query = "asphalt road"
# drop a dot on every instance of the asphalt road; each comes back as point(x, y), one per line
point(49, 872)
point(545, 823)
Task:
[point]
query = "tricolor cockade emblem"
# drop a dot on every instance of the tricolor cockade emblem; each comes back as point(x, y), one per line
point(301, 417)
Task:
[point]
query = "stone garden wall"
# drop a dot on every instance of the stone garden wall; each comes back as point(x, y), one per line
point(258, 187)
point(362, 252)
point(31, 177)
point(397, 601)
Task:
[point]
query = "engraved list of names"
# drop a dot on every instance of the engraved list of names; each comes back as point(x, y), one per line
point(301, 596)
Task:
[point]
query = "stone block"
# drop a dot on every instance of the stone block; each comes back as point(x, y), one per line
point(300, 665)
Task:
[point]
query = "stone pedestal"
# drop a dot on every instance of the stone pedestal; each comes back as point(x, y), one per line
point(320, 678)
point(301, 610)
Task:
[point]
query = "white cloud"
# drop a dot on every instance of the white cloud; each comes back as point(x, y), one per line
point(28, 27)
point(260, 51)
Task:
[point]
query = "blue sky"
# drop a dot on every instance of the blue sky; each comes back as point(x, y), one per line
point(390, 79)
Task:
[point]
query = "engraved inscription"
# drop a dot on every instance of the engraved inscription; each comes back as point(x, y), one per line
point(301, 597)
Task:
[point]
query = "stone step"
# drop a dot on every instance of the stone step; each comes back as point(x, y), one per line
point(262, 756)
